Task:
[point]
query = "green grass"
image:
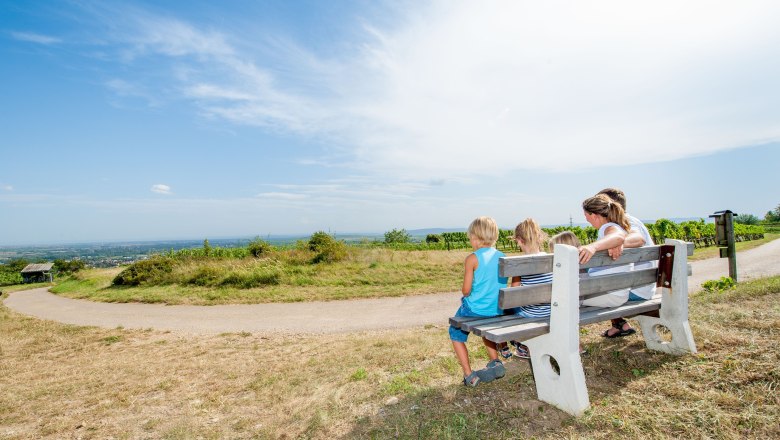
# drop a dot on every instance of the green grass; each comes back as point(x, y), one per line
point(366, 274)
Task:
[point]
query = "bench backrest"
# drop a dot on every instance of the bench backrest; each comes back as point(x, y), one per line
point(536, 294)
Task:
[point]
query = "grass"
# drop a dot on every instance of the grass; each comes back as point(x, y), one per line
point(62, 381)
point(713, 251)
point(367, 273)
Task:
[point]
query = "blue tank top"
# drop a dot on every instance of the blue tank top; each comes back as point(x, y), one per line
point(483, 299)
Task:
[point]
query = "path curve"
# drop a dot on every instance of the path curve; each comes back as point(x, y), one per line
point(315, 317)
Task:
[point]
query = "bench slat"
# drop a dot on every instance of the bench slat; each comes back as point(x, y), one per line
point(542, 293)
point(529, 265)
point(532, 328)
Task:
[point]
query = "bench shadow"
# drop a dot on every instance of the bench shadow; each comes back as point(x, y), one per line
point(508, 407)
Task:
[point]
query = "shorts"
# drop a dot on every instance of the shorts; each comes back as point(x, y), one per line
point(456, 334)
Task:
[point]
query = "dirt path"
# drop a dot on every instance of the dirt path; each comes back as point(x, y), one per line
point(315, 317)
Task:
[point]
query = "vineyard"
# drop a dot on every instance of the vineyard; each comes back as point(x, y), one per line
point(700, 233)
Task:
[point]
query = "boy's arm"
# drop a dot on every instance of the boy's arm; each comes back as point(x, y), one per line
point(468, 276)
point(613, 237)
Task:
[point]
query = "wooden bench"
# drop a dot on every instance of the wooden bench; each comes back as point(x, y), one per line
point(557, 338)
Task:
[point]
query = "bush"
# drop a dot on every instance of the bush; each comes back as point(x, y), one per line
point(205, 276)
point(249, 280)
point(152, 271)
point(259, 247)
point(746, 219)
point(397, 236)
point(721, 285)
point(433, 238)
point(327, 248)
point(68, 267)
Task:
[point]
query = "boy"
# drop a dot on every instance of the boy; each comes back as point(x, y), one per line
point(480, 298)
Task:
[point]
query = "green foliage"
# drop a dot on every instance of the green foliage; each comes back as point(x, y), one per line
point(10, 272)
point(68, 267)
point(206, 247)
point(433, 238)
point(327, 248)
point(152, 271)
point(721, 285)
point(773, 216)
point(746, 219)
point(248, 280)
point(397, 236)
point(259, 247)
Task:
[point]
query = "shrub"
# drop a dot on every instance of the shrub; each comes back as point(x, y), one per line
point(205, 276)
point(746, 219)
point(151, 271)
point(68, 267)
point(248, 280)
point(397, 236)
point(433, 238)
point(721, 285)
point(327, 248)
point(259, 247)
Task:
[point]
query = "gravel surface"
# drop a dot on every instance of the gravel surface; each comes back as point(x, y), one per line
point(315, 317)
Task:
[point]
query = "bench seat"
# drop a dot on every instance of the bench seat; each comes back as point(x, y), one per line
point(508, 328)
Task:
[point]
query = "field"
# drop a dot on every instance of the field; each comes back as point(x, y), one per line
point(62, 381)
point(365, 273)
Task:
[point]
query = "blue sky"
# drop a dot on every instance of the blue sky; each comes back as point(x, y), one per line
point(166, 120)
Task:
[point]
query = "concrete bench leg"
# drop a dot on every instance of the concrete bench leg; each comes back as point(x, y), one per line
point(565, 388)
point(674, 310)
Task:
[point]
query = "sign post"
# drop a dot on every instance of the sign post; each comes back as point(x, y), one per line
point(724, 235)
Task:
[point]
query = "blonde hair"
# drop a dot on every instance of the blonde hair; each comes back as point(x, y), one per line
point(565, 237)
point(602, 205)
point(530, 233)
point(485, 230)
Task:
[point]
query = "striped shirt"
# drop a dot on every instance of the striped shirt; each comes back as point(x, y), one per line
point(536, 310)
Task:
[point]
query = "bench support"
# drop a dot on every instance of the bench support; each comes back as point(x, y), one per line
point(674, 310)
point(563, 387)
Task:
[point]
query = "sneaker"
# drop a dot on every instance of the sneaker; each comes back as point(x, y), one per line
point(494, 370)
point(472, 379)
point(521, 350)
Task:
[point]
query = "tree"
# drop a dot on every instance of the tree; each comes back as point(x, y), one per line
point(773, 216)
point(433, 238)
point(206, 247)
point(397, 236)
point(258, 247)
point(746, 219)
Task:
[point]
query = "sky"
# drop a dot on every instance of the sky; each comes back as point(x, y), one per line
point(147, 120)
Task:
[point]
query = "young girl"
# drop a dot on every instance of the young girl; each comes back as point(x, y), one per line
point(529, 237)
point(610, 220)
point(481, 284)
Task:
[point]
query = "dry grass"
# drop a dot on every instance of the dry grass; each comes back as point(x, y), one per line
point(63, 381)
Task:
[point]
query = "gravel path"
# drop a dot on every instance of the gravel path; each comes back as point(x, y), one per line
point(315, 317)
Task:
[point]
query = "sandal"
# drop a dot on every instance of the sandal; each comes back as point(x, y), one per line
point(521, 350)
point(494, 370)
point(505, 352)
point(472, 379)
point(620, 332)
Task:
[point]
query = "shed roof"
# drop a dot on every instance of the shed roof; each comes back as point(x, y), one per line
point(45, 267)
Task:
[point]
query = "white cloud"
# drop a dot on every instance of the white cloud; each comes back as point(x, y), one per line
point(463, 88)
point(161, 189)
point(6, 187)
point(35, 38)
point(281, 195)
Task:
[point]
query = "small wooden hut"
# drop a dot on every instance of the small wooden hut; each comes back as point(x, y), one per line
point(37, 273)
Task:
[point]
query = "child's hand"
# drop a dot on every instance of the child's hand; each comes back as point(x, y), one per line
point(586, 252)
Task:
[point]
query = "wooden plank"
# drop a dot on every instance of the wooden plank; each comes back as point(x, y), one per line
point(529, 265)
point(593, 286)
point(532, 328)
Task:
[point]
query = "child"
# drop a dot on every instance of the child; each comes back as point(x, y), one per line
point(530, 237)
point(610, 220)
point(480, 298)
